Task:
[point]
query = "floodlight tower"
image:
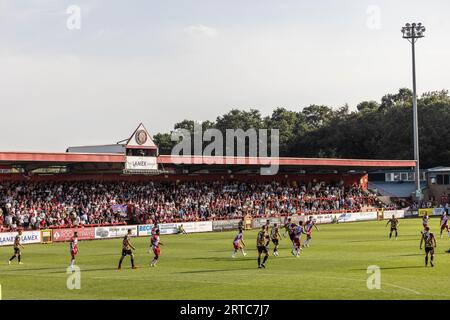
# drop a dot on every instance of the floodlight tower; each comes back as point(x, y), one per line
point(412, 32)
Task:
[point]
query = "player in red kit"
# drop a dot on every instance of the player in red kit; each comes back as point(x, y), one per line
point(239, 244)
point(310, 224)
point(155, 245)
point(298, 231)
point(73, 248)
point(444, 224)
point(425, 219)
point(155, 228)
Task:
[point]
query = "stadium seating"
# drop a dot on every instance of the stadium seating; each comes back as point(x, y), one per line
point(34, 205)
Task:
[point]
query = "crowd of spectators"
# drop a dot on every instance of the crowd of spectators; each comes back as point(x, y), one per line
point(34, 205)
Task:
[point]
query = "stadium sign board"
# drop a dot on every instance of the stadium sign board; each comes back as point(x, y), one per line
point(324, 218)
point(140, 163)
point(357, 216)
point(438, 211)
point(7, 238)
point(345, 217)
point(399, 214)
point(60, 235)
point(145, 230)
point(424, 211)
point(199, 226)
point(259, 222)
point(225, 225)
point(164, 228)
point(411, 213)
point(114, 232)
point(172, 228)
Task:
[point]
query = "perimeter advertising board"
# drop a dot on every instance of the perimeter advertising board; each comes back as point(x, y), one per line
point(60, 235)
point(7, 238)
point(114, 232)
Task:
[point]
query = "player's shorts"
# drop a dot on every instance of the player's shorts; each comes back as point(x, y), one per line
point(236, 246)
point(17, 251)
point(157, 251)
point(394, 229)
point(126, 252)
point(74, 252)
point(291, 236)
point(429, 250)
point(262, 249)
point(297, 242)
point(444, 226)
point(275, 241)
point(309, 234)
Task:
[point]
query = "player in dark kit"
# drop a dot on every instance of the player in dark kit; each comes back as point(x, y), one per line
point(287, 224)
point(275, 236)
point(261, 245)
point(394, 224)
point(127, 248)
point(241, 224)
point(430, 244)
point(17, 247)
point(267, 225)
point(291, 230)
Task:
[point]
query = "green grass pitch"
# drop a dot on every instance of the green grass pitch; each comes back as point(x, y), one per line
point(199, 266)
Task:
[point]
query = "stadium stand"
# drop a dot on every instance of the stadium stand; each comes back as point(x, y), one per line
point(34, 205)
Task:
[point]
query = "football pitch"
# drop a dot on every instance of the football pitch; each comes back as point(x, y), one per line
point(199, 266)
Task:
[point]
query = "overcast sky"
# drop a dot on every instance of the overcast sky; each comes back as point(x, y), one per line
point(159, 62)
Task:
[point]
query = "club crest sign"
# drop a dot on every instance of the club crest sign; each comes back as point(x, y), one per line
point(141, 137)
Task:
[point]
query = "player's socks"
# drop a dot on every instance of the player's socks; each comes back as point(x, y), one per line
point(18, 258)
point(120, 263)
point(426, 261)
point(259, 262)
point(12, 258)
point(431, 261)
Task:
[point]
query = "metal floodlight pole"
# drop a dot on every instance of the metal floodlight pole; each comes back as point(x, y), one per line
point(412, 32)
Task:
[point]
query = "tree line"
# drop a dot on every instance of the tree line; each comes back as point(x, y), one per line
point(375, 130)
